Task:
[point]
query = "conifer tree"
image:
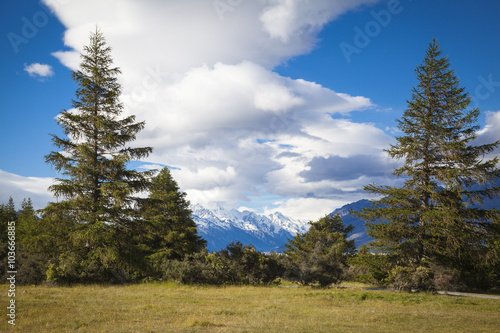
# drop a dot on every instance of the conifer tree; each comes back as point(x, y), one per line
point(32, 257)
point(7, 216)
point(27, 224)
point(8, 211)
point(320, 255)
point(98, 189)
point(170, 232)
point(436, 216)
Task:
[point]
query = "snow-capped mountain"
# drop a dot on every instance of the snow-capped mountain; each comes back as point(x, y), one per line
point(267, 233)
point(220, 226)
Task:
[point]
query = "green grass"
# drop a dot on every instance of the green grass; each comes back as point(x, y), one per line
point(168, 307)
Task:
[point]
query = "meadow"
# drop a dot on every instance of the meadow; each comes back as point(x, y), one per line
point(169, 307)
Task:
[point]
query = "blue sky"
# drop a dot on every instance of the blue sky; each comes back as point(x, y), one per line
point(264, 105)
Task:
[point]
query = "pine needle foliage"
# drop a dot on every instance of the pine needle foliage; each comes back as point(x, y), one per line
point(436, 216)
point(97, 188)
point(170, 231)
point(320, 255)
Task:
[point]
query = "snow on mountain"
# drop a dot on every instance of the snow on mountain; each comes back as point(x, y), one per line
point(267, 233)
point(220, 226)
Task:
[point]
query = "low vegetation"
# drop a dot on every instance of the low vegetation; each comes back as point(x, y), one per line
point(171, 307)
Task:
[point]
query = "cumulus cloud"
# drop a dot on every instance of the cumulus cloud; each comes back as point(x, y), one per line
point(201, 77)
point(187, 34)
point(284, 19)
point(306, 209)
point(224, 128)
point(38, 70)
point(491, 132)
point(19, 188)
point(338, 168)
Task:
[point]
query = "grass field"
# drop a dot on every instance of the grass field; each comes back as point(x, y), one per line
point(168, 307)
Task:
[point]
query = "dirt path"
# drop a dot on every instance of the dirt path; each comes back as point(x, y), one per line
point(452, 293)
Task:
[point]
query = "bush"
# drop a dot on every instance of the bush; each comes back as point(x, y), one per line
point(320, 255)
point(31, 268)
point(411, 279)
point(446, 279)
point(368, 267)
point(236, 264)
point(193, 269)
point(244, 265)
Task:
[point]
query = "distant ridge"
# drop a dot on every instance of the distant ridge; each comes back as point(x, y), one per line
point(267, 233)
point(359, 233)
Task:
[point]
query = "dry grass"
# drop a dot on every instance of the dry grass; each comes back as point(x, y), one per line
point(167, 307)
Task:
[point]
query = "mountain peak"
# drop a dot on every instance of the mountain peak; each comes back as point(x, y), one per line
point(267, 232)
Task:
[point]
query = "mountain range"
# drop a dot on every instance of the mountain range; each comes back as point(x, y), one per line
point(266, 232)
point(270, 232)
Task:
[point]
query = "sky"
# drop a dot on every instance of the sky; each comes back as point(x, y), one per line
point(263, 105)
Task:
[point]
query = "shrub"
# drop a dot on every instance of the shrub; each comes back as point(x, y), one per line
point(411, 279)
point(31, 268)
point(320, 255)
point(446, 279)
point(193, 269)
point(236, 264)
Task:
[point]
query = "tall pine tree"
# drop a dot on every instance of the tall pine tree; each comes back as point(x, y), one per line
point(98, 189)
point(170, 232)
point(436, 216)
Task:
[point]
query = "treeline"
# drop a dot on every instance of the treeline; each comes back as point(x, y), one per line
point(430, 233)
point(168, 250)
point(320, 257)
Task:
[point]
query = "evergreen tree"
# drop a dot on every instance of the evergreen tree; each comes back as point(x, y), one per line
point(7, 215)
point(8, 211)
point(98, 189)
point(32, 258)
point(170, 232)
point(435, 217)
point(27, 225)
point(320, 255)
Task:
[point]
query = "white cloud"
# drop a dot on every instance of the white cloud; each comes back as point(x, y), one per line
point(307, 209)
point(39, 70)
point(245, 209)
point(284, 19)
point(214, 108)
point(187, 34)
point(19, 188)
point(491, 132)
point(222, 127)
point(273, 97)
